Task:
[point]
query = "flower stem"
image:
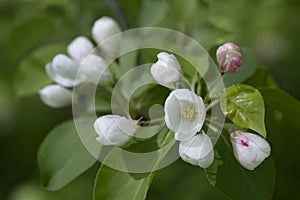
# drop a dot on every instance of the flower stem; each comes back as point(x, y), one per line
point(212, 104)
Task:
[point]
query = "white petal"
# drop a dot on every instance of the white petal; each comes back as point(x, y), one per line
point(79, 48)
point(56, 96)
point(114, 129)
point(175, 105)
point(260, 142)
point(93, 68)
point(167, 70)
point(207, 160)
point(198, 150)
point(249, 149)
point(63, 70)
point(104, 28)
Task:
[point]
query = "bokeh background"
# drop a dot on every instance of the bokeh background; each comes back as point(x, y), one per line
point(270, 27)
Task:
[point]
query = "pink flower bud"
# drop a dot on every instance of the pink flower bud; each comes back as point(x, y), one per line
point(249, 149)
point(229, 57)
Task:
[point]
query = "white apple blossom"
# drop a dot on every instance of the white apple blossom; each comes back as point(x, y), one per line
point(104, 28)
point(249, 149)
point(184, 113)
point(114, 129)
point(198, 150)
point(79, 48)
point(55, 96)
point(63, 70)
point(167, 70)
point(93, 68)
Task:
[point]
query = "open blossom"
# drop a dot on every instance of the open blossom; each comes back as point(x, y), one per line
point(79, 48)
point(56, 96)
point(229, 57)
point(167, 70)
point(104, 28)
point(184, 113)
point(198, 150)
point(114, 129)
point(249, 149)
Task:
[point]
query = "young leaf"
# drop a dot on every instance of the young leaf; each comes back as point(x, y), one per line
point(236, 182)
point(244, 105)
point(285, 103)
point(62, 157)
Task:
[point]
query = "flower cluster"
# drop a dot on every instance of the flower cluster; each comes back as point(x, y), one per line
point(185, 114)
point(185, 110)
point(83, 64)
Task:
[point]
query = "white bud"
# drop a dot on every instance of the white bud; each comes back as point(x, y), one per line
point(79, 48)
point(63, 70)
point(198, 150)
point(56, 96)
point(184, 113)
point(93, 68)
point(167, 70)
point(249, 149)
point(114, 129)
point(104, 28)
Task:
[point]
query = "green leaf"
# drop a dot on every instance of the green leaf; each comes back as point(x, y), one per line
point(244, 105)
point(112, 184)
point(285, 103)
point(247, 69)
point(62, 157)
point(31, 75)
point(236, 182)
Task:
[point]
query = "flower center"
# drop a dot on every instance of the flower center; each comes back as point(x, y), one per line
point(189, 113)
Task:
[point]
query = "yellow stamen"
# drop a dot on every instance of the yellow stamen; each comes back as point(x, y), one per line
point(189, 113)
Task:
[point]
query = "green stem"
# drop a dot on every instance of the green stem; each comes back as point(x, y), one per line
point(212, 104)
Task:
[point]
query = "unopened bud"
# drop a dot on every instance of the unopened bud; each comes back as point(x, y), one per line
point(114, 129)
point(229, 57)
point(79, 48)
point(56, 96)
point(167, 70)
point(249, 149)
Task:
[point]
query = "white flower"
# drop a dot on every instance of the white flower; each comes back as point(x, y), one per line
point(79, 48)
point(249, 149)
point(93, 68)
point(167, 70)
point(104, 28)
point(198, 150)
point(114, 129)
point(56, 96)
point(63, 70)
point(184, 113)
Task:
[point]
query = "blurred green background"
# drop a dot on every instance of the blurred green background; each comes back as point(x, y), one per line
point(270, 27)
